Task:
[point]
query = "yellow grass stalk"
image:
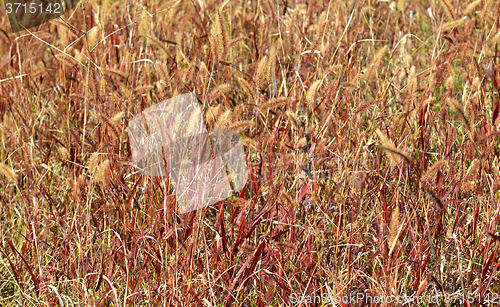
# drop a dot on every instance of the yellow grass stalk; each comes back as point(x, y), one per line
point(411, 89)
point(237, 112)
point(234, 42)
point(93, 85)
point(497, 23)
point(433, 170)
point(412, 83)
point(194, 121)
point(102, 84)
point(114, 128)
point(364, 106)
point(223, 39)
point(472, 7)
point(465, 95)
point(447, 8)
point(115, 72)
point(311, 92)
point(459, 110)
point(274, 103)
point(393, 229)
point(320, 30)
point(159, 43)
point(452, 24)
point(125, 90)
point(219, 91)
point(70, 61)
point(144, 24)
point(292, 118)
point(64, 153)
point(212, 114)
point(473, 170)
point(241, 125)
point(271, 65)
point(436, 199)
point(202, 78)
point(115, 120)
point(103, 172)
point(8, 172)
point(218, 38)
point(374, 64)
point(246, 87)
point(222, 121)
point(487, 8)
point(80, 183)
point(488, 135)
point(141, 88)
point(162, 71)
point(261, 70)
point(287, 197)
point(93, 160)
point(93, 37)
point(270, 7)
point(394, 154)
point(249, 142)
point(213, 46)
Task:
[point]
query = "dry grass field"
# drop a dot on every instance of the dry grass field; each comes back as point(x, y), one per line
point(370, 133)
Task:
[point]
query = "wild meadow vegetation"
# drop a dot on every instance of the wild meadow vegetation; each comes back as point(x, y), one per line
point(369, 128)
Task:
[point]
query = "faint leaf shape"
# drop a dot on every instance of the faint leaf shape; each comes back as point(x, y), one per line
point(171, 137)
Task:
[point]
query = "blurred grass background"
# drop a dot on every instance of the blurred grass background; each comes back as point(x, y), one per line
point(370, 129)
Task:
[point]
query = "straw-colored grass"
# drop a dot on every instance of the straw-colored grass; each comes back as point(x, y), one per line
point(370, 131)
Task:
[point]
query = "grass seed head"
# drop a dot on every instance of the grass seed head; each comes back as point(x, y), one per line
point(394, 154)
point(8, 172)
point(311, 92)
point(93, 161)
point(448, 9)
point(394, 225)
point(375, 63)
point(471, 7)
point(103, 173)
point(63, 151)
point(260, 75)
